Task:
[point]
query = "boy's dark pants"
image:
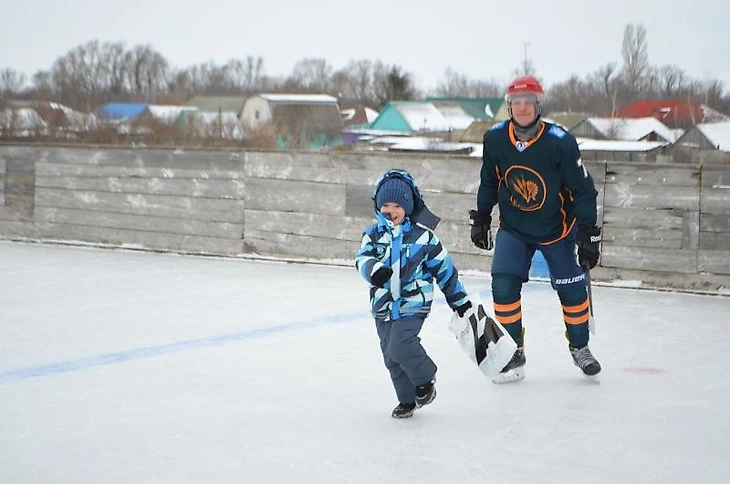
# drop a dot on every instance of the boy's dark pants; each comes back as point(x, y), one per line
point(405, 358)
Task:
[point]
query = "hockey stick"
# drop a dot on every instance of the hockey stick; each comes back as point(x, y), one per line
point(591, 320)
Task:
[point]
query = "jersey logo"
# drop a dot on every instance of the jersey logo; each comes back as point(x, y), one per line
point(521, 146)
point(499, 125)
point(557, 131)
point(526, 187)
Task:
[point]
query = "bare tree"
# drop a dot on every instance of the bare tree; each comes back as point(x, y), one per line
point(355, 83)
point(43, 87)
point(12, 82)
point(89, 75)
point(573, 95)
point(672, 80)
point(634, 51)
point(147, 73)
point(392, 84)
point(459, 85)
point(313, 75)
point(252, 74)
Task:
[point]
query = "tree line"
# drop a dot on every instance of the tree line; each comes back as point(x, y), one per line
point(97, 72)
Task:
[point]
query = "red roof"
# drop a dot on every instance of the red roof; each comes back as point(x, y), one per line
point(671, 112)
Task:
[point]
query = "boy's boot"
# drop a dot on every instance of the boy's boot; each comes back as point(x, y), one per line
point(404, 410)
point(425, 394)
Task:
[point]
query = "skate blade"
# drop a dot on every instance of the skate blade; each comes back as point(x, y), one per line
point(514, 375)
point(592, 378)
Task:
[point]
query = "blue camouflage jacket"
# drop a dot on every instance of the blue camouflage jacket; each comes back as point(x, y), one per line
point(415, 255)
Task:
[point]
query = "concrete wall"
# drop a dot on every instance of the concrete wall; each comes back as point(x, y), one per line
point(664, 225)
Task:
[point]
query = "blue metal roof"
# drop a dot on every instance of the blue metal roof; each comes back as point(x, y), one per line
point(120, 110)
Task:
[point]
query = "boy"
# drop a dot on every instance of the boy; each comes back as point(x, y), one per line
point(400, 256)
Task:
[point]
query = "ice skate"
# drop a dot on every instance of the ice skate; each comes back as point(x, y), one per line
point(584, 359)
point(514, 370)
point(425, 394)
point(404, 410)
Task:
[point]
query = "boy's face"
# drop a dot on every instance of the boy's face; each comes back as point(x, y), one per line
point(393, 212)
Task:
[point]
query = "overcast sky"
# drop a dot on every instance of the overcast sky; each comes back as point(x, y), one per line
point(480, 39)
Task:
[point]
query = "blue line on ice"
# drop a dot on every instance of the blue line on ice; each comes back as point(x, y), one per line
point(149, 351)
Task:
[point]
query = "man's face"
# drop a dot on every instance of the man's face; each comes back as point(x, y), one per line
point(524, 109)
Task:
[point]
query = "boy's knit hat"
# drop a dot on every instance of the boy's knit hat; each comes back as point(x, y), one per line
point(396, 190)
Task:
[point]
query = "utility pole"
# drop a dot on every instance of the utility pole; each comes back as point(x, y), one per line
point(524, 62)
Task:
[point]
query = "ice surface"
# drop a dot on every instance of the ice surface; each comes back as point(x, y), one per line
point(131, 367)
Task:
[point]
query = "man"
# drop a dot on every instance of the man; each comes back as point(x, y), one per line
point(547, 202)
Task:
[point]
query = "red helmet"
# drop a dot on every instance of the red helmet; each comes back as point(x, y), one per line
point(524, 85)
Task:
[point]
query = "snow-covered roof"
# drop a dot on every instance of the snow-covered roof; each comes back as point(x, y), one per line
point(586, 144)
point(371, 114)
point(168, 114)
point(717, 133)
point(77, 121)
point(632, 129)
point(420, 143)
point(455, 115)
point(299, 98)
point(423, 116)
point(21, 121)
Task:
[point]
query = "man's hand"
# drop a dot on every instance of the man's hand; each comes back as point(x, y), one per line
point(588, 242)
point(481, 230)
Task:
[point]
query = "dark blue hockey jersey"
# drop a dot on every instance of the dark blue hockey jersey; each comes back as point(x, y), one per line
point(541, 186)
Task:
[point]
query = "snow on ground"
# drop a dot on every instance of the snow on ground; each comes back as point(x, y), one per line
point(132, 367)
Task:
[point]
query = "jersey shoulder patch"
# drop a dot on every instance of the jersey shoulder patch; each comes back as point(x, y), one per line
point(499, 125)
point(557, 131)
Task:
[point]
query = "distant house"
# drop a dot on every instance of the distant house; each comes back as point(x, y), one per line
point(21, 123)
point(475, 132)
point(119, 111)
point(568, 120)
point(167, 115)
point(61, 120)
point(673, 113)
point(422, 117)
point(704, 142)
point(612, 150)
point(481, 109)
point(309, 121)
point(420, 144)
point(358, 117)
point(624, 129)
point(216, 104)
point(156, 123)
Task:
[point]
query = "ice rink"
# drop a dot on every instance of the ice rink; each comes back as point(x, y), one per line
point(132, 367)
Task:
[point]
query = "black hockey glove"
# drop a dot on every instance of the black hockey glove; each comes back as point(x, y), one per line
point(481, 231)
point(461, 310)
point(588, 242)
point(381, 276)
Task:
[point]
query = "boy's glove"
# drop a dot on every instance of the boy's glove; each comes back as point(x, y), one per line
point(461, 310)
point(381, 276)
point(588, 242)
point(481, 230)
